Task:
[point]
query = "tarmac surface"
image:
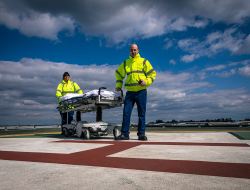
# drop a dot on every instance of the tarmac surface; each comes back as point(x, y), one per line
point(172, 160)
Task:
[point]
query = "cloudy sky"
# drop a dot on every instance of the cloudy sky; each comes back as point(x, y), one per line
point(199, 48)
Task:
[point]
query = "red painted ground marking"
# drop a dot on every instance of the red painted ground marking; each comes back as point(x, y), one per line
point(99, 157)
point(156, 143)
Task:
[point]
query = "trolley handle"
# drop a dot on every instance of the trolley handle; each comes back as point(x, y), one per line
point(102, 88)
point(99, 93)
point(121, 94)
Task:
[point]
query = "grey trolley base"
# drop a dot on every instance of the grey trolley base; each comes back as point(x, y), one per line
point(90, 104)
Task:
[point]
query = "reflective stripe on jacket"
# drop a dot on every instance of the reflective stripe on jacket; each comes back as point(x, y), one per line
point(135, 69)
point(64, 88)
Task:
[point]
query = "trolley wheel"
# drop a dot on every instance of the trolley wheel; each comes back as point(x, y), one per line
point(71, 132)
point(86, 134)
point(116, 132)
point(65, 132)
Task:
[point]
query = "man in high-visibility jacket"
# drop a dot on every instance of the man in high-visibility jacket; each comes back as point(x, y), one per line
point(140, 75)
point(64, 87)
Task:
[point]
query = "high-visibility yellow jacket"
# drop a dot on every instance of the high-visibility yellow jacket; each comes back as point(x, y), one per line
point(64, 88)
point(135, 69)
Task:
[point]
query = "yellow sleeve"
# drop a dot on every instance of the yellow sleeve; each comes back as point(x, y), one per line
point(78, 90)
point(120, 74)
point(150, 73)
point(59, 91)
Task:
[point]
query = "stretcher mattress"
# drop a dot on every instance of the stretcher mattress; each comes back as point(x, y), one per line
point(93, 93)
point(90, 100)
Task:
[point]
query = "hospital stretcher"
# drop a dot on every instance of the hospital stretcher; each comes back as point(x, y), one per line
point(96, 100)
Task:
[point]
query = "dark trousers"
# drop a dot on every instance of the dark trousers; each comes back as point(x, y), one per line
point(140, 98)
point(68, 117)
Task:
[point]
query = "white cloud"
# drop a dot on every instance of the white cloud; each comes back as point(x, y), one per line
point(214, 43)
point(215, 68)
point(172, 62)
point(188, 43)
point(178, 96)
point(245, 46)
point(131, 22)
point(189, 58)
point(245, 71)
point(28, 90)
point(229, 40)
point(226, 70)
point(168, 43)
point(29, 87)
point(227, 73)
point(32, 23)
point(117, 21)
point(181, 24)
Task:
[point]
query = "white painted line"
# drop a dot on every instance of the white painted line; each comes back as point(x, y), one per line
point(44, 145)
point(194, 153)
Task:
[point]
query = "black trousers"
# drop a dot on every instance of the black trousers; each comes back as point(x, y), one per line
point(68, 117)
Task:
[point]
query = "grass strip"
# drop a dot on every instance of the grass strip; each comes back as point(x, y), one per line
point(243, 135)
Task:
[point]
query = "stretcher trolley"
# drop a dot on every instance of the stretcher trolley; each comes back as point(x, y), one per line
point(95, 100)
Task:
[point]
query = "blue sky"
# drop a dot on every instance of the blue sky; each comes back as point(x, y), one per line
point(200, 50)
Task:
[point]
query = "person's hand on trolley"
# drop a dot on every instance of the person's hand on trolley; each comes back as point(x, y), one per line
point(118, 89)
point(142, 82)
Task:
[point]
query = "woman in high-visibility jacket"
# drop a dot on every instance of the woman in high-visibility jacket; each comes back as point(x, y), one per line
point(139, 75)
point(64, 87)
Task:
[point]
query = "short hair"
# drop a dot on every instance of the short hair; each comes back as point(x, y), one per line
point(65, 74)
point(134, 44)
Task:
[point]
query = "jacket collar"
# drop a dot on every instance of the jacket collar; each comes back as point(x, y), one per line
point(65, 82)
point(136, 57)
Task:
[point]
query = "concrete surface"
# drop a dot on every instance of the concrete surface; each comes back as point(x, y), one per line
point(40, 176)
point(19, 170)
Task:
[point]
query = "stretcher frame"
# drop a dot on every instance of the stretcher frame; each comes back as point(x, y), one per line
point(93, 103)
point(90, 104)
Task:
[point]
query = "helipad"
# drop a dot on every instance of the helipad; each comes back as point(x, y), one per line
point(208, 160)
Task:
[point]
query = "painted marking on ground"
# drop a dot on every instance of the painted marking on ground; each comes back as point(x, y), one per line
point(99, 157)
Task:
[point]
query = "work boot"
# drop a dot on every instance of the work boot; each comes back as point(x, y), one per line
point(142, 138)
point(122, 137)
